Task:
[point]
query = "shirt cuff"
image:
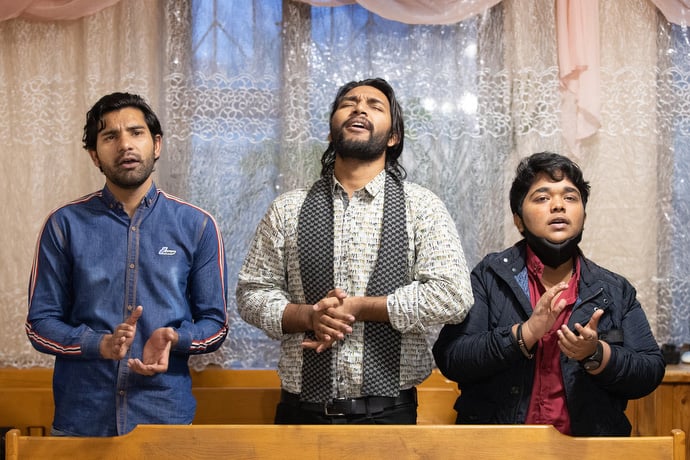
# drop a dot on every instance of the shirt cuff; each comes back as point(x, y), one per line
point(91, 344)
point(184, 341)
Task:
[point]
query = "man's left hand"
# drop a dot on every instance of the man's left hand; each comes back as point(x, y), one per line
point(156, 352)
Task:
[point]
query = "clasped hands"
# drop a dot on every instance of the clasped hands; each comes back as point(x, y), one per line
point(156, 352)
point(578, 344)
point(331, 319)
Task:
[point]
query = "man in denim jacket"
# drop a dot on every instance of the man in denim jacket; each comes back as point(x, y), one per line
point(126, 283)
point(552, 337)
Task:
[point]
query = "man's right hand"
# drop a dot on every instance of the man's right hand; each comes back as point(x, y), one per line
point(329, 321)
point(116, 345)
point(544, 315)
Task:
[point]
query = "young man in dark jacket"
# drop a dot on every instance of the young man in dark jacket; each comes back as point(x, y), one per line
point(552, 337)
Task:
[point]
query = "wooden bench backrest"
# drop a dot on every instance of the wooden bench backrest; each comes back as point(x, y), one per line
point(250, 397)
point(332, 442)
point(224, 396)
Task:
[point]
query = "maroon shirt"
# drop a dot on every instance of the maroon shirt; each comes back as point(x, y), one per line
point(548, 404)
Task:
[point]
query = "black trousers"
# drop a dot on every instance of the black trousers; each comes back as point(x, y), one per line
point(291, 411)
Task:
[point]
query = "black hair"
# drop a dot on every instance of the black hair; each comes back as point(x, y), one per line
point(397, 127)
point(111, 103)
point(555, 166)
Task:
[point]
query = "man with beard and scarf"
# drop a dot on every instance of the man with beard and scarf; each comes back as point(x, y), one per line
point(351, 274)
point(552, 337)
point(126, 283)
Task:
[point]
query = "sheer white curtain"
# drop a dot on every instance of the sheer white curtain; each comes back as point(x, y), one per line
point(51, 72)
point(243, 90)
point(261, 120)
point(633, 216)
point(620, 159)
point(478, 95)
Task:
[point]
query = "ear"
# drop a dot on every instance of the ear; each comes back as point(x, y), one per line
point(393, 140)
point(157, 144)
point(94, 158)
point(517, 220)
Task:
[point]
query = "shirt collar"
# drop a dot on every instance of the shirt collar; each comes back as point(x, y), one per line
point(112, 202)
point(374, 187)
point(534, 265)
point(377, 184)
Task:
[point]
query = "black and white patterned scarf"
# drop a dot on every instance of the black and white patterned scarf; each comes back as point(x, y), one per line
point(381, 358)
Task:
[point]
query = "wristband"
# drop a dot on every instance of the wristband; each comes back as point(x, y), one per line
point(521, 343)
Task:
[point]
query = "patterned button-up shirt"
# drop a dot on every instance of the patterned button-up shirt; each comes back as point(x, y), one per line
point(440, 291)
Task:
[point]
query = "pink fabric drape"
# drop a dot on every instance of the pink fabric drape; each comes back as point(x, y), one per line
point(577, 31)
point(417, 11)
point(51, 10)
point(675, 11)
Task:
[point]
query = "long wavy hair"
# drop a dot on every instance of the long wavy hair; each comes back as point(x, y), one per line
point(397, 127)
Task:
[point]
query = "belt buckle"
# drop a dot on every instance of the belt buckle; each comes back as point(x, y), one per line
point(328, 407)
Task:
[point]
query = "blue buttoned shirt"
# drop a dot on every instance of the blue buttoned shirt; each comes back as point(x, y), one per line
point(93, 266)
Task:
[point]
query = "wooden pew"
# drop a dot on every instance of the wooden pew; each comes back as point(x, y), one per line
point(224, 396)
point(250, 397)
point(26, 399)
point(333, 442)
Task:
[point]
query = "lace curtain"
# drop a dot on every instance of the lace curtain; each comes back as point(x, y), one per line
point(280, 109)
point(243, 90)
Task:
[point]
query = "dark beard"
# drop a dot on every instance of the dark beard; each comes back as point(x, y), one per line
point(130, 179)
point(368, 150)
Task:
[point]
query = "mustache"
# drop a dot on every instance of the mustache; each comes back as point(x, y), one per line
point(357, 119)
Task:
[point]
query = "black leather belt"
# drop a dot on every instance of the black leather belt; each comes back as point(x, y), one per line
point(351, 406)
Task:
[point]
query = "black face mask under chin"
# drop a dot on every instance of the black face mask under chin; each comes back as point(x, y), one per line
point(552, 254)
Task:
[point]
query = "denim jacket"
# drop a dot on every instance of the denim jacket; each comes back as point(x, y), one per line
point(93, 266)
